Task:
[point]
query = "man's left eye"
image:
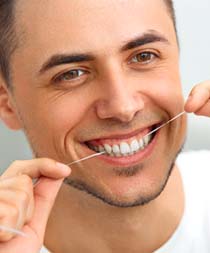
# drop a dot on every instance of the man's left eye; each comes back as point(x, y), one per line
point(144, 57)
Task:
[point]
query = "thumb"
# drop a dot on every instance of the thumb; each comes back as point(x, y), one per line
point(45, 193)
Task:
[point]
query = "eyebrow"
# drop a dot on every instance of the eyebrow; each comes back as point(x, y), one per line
point(59, 59)
point(150, 37)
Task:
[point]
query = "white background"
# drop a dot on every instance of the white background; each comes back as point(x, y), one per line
point(193, 18)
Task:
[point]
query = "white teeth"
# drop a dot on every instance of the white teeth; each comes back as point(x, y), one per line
point(146, 140)
point(116, 149)
point(134, 146)
point(141, 144)
point(101, 148)
point(124, 148)
point(108, 148)
point(96, 148)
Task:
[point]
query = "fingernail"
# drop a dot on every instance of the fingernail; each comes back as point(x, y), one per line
point(63, 167)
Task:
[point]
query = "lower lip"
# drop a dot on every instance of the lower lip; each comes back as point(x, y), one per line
point(131, 160)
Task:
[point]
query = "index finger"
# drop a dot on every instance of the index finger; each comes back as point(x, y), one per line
point(200, 95)
point(36, 168)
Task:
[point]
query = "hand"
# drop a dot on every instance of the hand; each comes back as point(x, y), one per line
point(199, 100)
point(25, 207)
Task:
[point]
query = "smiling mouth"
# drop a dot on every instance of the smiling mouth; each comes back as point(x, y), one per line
point(123, 147)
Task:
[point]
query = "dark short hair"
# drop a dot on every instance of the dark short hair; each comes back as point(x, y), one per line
point(9, 38)
point(171, 10)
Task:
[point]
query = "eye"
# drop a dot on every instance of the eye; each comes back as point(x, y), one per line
point(144, 57)
point(71, 75)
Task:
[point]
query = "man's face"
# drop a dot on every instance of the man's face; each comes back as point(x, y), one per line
point(93, 74)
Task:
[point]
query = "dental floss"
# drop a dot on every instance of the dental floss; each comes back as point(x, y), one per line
point(87, 157)
point(156, 129)
point(13, 231)
point(17, 232)
point(153, 131)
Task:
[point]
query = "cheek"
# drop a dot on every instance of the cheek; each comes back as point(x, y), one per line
point(165, 91)
point(65, 113)
point(168, 95)
point(163, 85)
point(54, 116)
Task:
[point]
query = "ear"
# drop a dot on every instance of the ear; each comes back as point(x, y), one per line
point(8, 114)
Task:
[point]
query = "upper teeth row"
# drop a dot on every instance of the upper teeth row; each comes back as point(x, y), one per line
point(124, 148)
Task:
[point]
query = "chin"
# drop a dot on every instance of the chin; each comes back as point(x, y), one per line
point(124, 190)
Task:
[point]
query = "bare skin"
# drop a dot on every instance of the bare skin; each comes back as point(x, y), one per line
point(119, 90)
point(26, 207)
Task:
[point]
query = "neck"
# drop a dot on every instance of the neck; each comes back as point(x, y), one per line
point(87, 227)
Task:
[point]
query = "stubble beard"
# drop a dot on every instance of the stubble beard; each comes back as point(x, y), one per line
point(126, 172)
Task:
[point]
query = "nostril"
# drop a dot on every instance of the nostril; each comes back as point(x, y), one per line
point(123, 107)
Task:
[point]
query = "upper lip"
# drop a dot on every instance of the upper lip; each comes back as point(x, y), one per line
point(125, 135)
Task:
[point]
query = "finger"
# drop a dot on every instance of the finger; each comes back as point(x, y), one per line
point(20, 182)
point(205, 110)
point(19, 189)
point(36, 168)
point(51, 175)
point(18, 199)
point(197, 99)
point(45, 195)
point(9, 216)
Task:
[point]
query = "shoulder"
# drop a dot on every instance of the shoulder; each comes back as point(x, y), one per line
point(195, 172)
point(195, 168)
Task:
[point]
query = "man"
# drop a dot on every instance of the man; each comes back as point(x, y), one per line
point(85, 76)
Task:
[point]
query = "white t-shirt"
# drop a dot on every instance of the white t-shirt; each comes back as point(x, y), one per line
point(193, 232)
point(44, 250)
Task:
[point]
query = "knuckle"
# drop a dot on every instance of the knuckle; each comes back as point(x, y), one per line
point(13, 212)
point(47, 161)
point(25, 181)
point(23, 197)
point(9, 215)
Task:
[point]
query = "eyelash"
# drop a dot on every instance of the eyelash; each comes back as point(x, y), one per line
point(152, 56)
point(80, 72)
point(62, 77)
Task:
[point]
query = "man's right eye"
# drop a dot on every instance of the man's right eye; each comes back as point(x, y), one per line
point(71, 75)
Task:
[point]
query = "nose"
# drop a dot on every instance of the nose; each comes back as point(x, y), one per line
point(120, 100)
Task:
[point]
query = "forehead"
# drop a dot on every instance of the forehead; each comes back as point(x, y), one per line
point(89, 24)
